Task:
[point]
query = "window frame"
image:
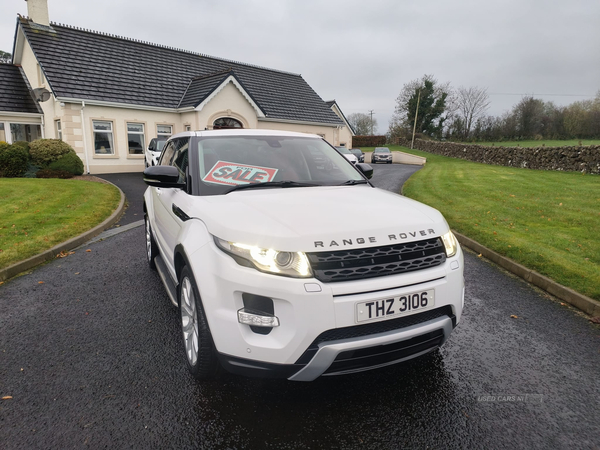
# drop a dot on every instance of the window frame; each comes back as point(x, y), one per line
point(112, 133)
point(25, 131)
point(137, 133)
point(162, 134)
point(58, 129)
point(227, 119)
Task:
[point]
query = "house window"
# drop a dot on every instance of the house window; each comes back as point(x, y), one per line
point(103, 137)
point(164, 130)
point(135, 138)
point(25, 132)
point(226, 122)
point(188, 128)
point(58, 128)
point(2, 133)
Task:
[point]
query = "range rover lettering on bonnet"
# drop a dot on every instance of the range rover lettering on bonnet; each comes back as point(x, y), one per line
point(373, 240)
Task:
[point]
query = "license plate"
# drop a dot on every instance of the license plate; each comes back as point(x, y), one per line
point(395, 306)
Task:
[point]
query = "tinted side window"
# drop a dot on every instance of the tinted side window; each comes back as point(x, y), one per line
point(180, 157)
point(167, 155)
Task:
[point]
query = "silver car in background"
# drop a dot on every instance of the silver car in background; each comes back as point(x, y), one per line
point(381, 154)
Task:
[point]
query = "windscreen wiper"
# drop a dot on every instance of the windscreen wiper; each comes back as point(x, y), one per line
point(282, 184)
point(353, 182)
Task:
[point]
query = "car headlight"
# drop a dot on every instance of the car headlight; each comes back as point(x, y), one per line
point(290, 264)
point(450, 243)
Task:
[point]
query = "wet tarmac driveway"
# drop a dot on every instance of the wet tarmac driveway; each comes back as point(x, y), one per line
point(92, 358)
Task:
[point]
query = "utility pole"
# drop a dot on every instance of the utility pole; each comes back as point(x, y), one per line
point(416, 115)
point(371, 111)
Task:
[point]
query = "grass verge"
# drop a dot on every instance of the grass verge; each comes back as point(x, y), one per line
point(37, 214)
point(548, 221)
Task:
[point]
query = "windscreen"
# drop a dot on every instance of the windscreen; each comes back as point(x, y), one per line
point(229, 161)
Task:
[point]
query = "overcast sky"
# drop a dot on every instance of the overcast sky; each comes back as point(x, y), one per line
point(361, 52)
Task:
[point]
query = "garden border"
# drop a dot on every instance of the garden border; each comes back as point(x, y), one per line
point(72, 243)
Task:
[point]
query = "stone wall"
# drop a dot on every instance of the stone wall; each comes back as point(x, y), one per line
point(585, 159)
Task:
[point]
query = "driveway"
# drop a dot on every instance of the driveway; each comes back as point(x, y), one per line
point(133, 186)
point(92, 358)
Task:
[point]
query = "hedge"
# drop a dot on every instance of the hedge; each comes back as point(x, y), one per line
point(368, 141)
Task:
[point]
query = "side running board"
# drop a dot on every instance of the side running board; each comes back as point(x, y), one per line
point(166, 279)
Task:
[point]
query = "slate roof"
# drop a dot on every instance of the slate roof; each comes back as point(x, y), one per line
point(89, 65)
point(15, 95)
point(202, 87)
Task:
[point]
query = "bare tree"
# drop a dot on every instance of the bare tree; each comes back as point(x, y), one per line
point(471, 104)
point(362, 124)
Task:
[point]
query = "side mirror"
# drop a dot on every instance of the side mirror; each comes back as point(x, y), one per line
point(163, 176)
point(366, 170)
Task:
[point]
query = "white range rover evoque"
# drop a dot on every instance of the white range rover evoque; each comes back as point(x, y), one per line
point(284, 260)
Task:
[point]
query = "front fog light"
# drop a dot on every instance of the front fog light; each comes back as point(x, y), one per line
point(256, 319)
point(450, 243)
point(291, 264)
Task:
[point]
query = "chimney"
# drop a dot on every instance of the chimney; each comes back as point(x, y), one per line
point(37, 10)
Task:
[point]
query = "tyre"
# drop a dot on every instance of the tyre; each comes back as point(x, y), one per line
point(389, 162)
point(199, 348)
point(151, 247)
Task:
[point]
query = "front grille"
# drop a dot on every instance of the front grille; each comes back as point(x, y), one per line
point(344, 265)
point(372, 328)
point(379, 355)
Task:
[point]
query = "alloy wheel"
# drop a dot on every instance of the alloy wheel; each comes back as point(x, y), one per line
point(189, 321)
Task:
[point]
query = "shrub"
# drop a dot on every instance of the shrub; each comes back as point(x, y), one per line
point(45, 151)
point(22, 144)
point(14, 161)
point(69, 162)
point(31, 171)
point(49, 173)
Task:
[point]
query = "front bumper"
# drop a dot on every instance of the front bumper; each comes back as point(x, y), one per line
point(382, 158)
point(318, 333)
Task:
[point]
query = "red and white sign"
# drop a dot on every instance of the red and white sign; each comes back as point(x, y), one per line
point(233, 174)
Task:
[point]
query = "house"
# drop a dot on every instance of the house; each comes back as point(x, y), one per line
point(109, 95)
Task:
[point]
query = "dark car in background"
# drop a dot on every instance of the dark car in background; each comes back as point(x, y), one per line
point(359, 154)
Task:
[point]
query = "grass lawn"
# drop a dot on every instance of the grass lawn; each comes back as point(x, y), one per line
point(37, 214)
point(549, 143)
point(548, 221)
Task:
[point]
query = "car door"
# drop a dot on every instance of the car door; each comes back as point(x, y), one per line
point(169, 219)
